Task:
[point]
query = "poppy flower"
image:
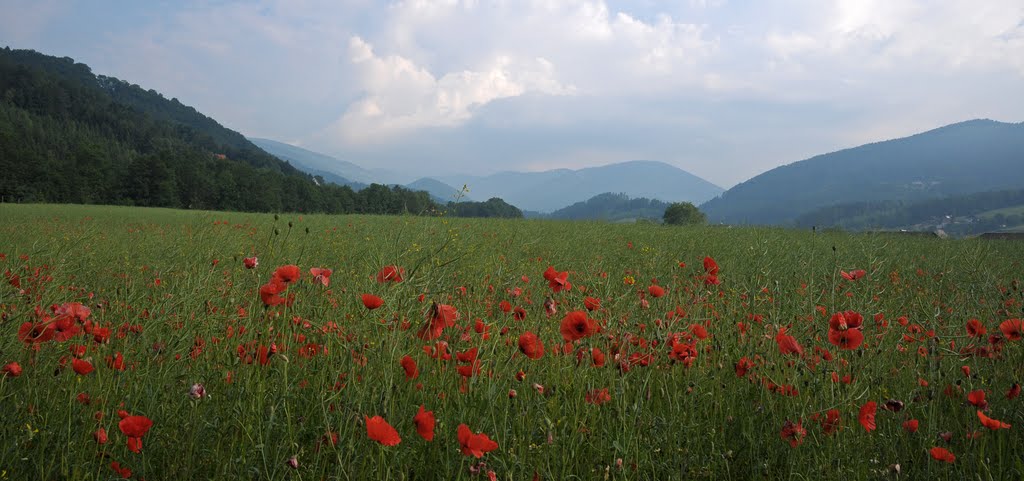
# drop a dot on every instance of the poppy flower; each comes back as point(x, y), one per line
point(975, 328)
point(425, 422)
point(597, 357)
point(1013, 392)
point(1012, 329)
point(787, 344)
point(411, 370)
point(530, 345)
point(121, 470)
point(597, 397)
point(591, 303)
point(848, 340)
point(990, 423)
point(379, 430)
point(866, 417)
point(12, 369)
point(684, 353)
point(270, 293)
point(842, 321)
point(287, 274)
point(743, 366)
point(853, 275)
point(942, 454)
point(81, 367)
point(656, 291)
point(519, 313)
point(391, 274)
point(372, 302)
point(100, 435)
point(321, 275)
point(831, 422)
point(33, 333)
point(793, 433)
point(977, 399)
point(505, 306)
point(576, 325)
point(251, 262)
point(135, 427)
point(474, 444)
point(911, 425)
point(440, 316)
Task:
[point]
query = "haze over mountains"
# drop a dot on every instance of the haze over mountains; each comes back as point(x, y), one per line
point(963, 158)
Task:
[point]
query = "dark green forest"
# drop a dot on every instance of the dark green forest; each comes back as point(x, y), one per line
point(899, 214)
point(494, 207)
point(70, 136)
point(612, 207)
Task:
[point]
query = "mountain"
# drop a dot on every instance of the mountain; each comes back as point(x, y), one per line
point(439, 191)
point(550, 190)
point(963, 158)
point(68, 135)
point(613, 208)
point(310, 161)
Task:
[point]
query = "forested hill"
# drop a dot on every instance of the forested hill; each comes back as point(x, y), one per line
point(958, 159)
point(612, 207)
point(68, 135)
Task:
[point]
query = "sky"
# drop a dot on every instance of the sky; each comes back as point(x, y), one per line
point(724, 89)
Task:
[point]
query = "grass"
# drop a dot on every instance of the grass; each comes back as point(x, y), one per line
point(178, 277)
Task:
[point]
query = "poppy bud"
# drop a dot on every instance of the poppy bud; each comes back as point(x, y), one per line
point(293, 462)
point(197, 391)
point(512, 393)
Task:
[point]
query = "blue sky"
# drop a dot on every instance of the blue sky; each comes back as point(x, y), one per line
point(723, 89)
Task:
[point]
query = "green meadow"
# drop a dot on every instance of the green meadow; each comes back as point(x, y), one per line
point(287, 389)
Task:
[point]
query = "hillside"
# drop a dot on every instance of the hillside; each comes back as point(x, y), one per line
point(963, 158)
point(70, 136)
point(553, 189)
point(332, 169)
point(613, 208)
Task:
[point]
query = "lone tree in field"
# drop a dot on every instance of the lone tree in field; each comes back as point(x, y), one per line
point(683, 213)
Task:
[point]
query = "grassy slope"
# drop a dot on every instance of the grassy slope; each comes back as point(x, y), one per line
point(664, 421)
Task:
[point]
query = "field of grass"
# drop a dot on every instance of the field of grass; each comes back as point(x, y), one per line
point(734, 380)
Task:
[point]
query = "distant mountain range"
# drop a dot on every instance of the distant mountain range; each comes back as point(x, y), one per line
point(553, 189)
point(544, 191)
point(963, 158)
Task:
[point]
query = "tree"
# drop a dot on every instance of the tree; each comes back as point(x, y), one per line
point(683, 213)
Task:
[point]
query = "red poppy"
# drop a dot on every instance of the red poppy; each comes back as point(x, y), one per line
point(474, 444)
point(853, 275)
point(530, 345)
point(597, 357)
point(270, 293)
point(848, 340)
point(440, 316)
point(711, 271)
point(287, 274)
point(842, 321)
point(867, 415)
point(990, 423)
point(321, 275)
point(519, 313)
point(911, 425)
point(250, 262)
point(379, 430)
point(505, 306)
point(100, 435)
point(576, 325)
point(372, 302)
point(656, 290)
point(32, 333)
point(831, 422)
point(121, 470)
point(977, 398)
point(1013, 392)
point(135, 427)
point(591, 303)
point(411, 370)
point(793, 433)
point(12, 369)
point(975, 328)
point(684, 353)
point(1012, 329)
point(391, 274)
point(698, 331)
point(597, 397)
point(743, 366)
point(425, 422)
point(942, 454)
point(787, 344)
point(81, 367)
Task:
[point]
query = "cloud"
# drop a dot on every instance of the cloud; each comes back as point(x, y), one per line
point(401, 96)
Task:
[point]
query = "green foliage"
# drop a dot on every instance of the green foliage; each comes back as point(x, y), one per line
point(493, 207)
point(683, 213)
point(612, 207)
point(68, 136)
point(336, 362)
